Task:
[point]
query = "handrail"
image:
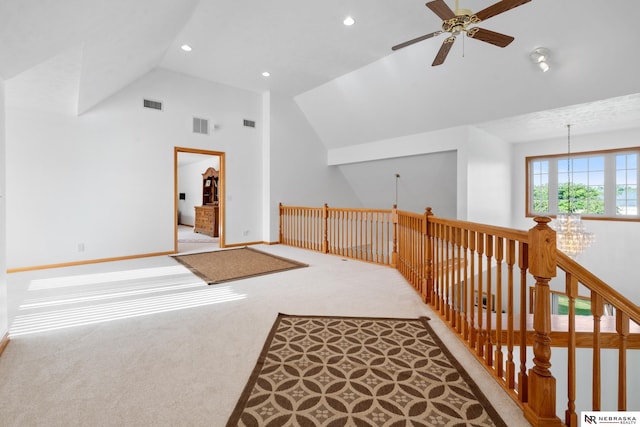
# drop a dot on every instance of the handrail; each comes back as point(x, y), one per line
point(595, 284)
point(476, 277)
point(506, 233)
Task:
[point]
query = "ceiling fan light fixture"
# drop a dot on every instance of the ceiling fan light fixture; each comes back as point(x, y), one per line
point(543, 66)
point(540, 57)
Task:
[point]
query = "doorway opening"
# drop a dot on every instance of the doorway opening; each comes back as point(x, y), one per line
point(199, 187)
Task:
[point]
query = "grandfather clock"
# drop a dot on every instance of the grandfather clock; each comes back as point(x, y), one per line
point(207, 214)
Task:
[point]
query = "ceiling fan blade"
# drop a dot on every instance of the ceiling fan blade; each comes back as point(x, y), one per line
point(416, 40)
point(447, 44)
point(497, 8)
point(440, 8)
point(488, 36)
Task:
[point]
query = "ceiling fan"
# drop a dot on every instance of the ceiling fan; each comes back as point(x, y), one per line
point(458, 22)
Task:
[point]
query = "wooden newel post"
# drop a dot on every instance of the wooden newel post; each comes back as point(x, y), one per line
point(428, 297)
point(325, 237)
point(540, 410)
point(394, 248)
point(280, 239)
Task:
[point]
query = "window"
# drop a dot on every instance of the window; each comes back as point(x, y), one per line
point(596, 185)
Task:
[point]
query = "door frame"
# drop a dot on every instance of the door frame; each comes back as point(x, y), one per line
point(221, 191)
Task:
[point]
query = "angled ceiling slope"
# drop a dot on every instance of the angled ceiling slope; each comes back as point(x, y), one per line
point(402, 94)
point(119, 41)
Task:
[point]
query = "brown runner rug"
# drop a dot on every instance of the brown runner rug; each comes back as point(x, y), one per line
point(344, 371)
point(233, 264)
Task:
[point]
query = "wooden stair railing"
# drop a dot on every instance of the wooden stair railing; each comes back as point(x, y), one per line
point(363, 234)
point(476, 277)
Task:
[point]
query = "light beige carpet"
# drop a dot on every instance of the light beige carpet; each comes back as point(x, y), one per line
point(346, 371)
point(233, 264)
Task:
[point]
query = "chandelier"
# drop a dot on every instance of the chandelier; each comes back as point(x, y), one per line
point(571, 236)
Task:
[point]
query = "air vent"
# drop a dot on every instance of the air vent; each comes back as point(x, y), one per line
point(155, 105)
point(201, 126)
point(249, 123)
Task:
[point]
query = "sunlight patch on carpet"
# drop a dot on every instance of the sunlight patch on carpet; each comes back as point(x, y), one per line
point(44, 321)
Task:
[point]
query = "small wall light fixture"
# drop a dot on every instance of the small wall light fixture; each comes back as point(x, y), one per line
point(540, 57)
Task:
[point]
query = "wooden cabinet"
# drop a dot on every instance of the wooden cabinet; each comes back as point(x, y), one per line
point(207, 214)
point(207, 220)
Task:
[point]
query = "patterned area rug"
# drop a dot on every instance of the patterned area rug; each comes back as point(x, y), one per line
point(342, 371)
point(234, 264)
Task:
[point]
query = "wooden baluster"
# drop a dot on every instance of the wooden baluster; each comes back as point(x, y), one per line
point(597, 309)
point(523, 377)
point(362, 250)
point(436, 266)
point(571, 418)
point(472, 282)
point(342, 234)
point(510, 365)
point(371, 232)
point(306, 218)
point(310, 228)
point(294, 226)
point(336, 232)
point(350, 244)
point(457, 283)
point(540, 410)
point(441, 267)
point(451, 274)
point(299, 227)
point(499, 361)
point(489, 302)
point(466, 301)
point(289, 226)
point(622, 327)
point(369, 238)
point(447, 273)
point(480, 250)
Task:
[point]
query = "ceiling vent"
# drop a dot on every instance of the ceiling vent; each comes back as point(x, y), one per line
point(154, 105)
point(249, 123)
point(201, 126)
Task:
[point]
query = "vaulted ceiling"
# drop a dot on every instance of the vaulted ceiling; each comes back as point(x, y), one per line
point(69, 55)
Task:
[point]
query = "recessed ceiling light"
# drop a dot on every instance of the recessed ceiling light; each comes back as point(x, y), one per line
point(186, 48)
point(349, 21)
point(266, 74)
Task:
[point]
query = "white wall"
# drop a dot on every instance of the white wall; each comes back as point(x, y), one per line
point(4, 325)
point(488, 180)
point(427, 180)
point(190, 183)
point(613, 256)
point(483, 184)
point(298, 165)
point(105, 179)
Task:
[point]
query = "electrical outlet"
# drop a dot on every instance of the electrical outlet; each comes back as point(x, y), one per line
point(80, 247)
point(245, 233)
